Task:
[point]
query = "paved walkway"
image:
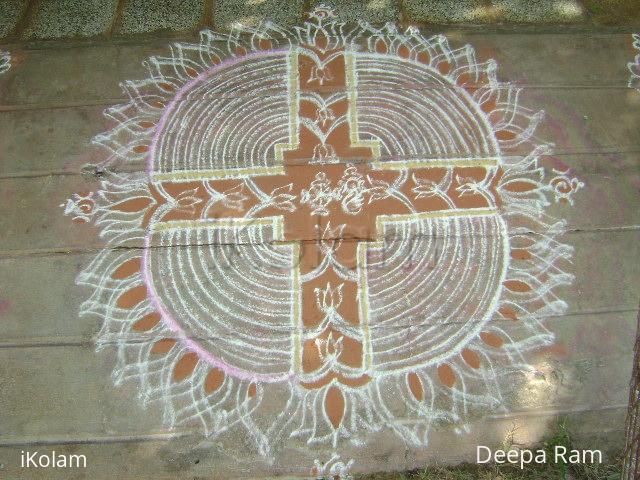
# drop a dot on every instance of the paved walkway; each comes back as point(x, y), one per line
point(467, 267)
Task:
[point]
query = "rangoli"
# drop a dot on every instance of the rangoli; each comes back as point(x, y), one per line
point(335, 230)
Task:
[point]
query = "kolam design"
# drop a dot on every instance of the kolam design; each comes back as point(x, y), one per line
point(333, 230)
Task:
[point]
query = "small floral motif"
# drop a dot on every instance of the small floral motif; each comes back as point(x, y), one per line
point(325, 116)
point(333, 469)
point(428, 188)
point(320, 75)
point(330, 349)
point(329, 299)
point(351, 190)
point(323, 153)
point(471, 186)
point(232, 198)
point(564, 186)
point(319, 195)
point(80, 207)
point(379, 189)
point(282, 199)
point(186, 201)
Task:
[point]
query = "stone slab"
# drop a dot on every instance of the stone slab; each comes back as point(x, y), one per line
point(39, 142)
point(39, 300)
point(582, 378)
point(33, 204)
point(574, 122)
point(39, 379)
point(577, 60)
point(81, 75)
point(31, 213)
point(89, 74)
point(188, 457)
point(32, 219)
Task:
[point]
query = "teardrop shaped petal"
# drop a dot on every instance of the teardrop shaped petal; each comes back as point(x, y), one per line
point(415, 386)
point(214, 380)
point(516, 286)
point(132, 297)
point(334, 405)
point(128, 268)
point(163, 346)
point(492, 339)
point(471, 358)
point(147, 322)
point(185, 366)
point(446, 375)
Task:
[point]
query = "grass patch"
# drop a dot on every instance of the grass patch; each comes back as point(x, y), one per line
point(614, 12)
point(548, 471)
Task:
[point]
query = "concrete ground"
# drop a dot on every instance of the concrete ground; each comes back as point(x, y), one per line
point(67, 60)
